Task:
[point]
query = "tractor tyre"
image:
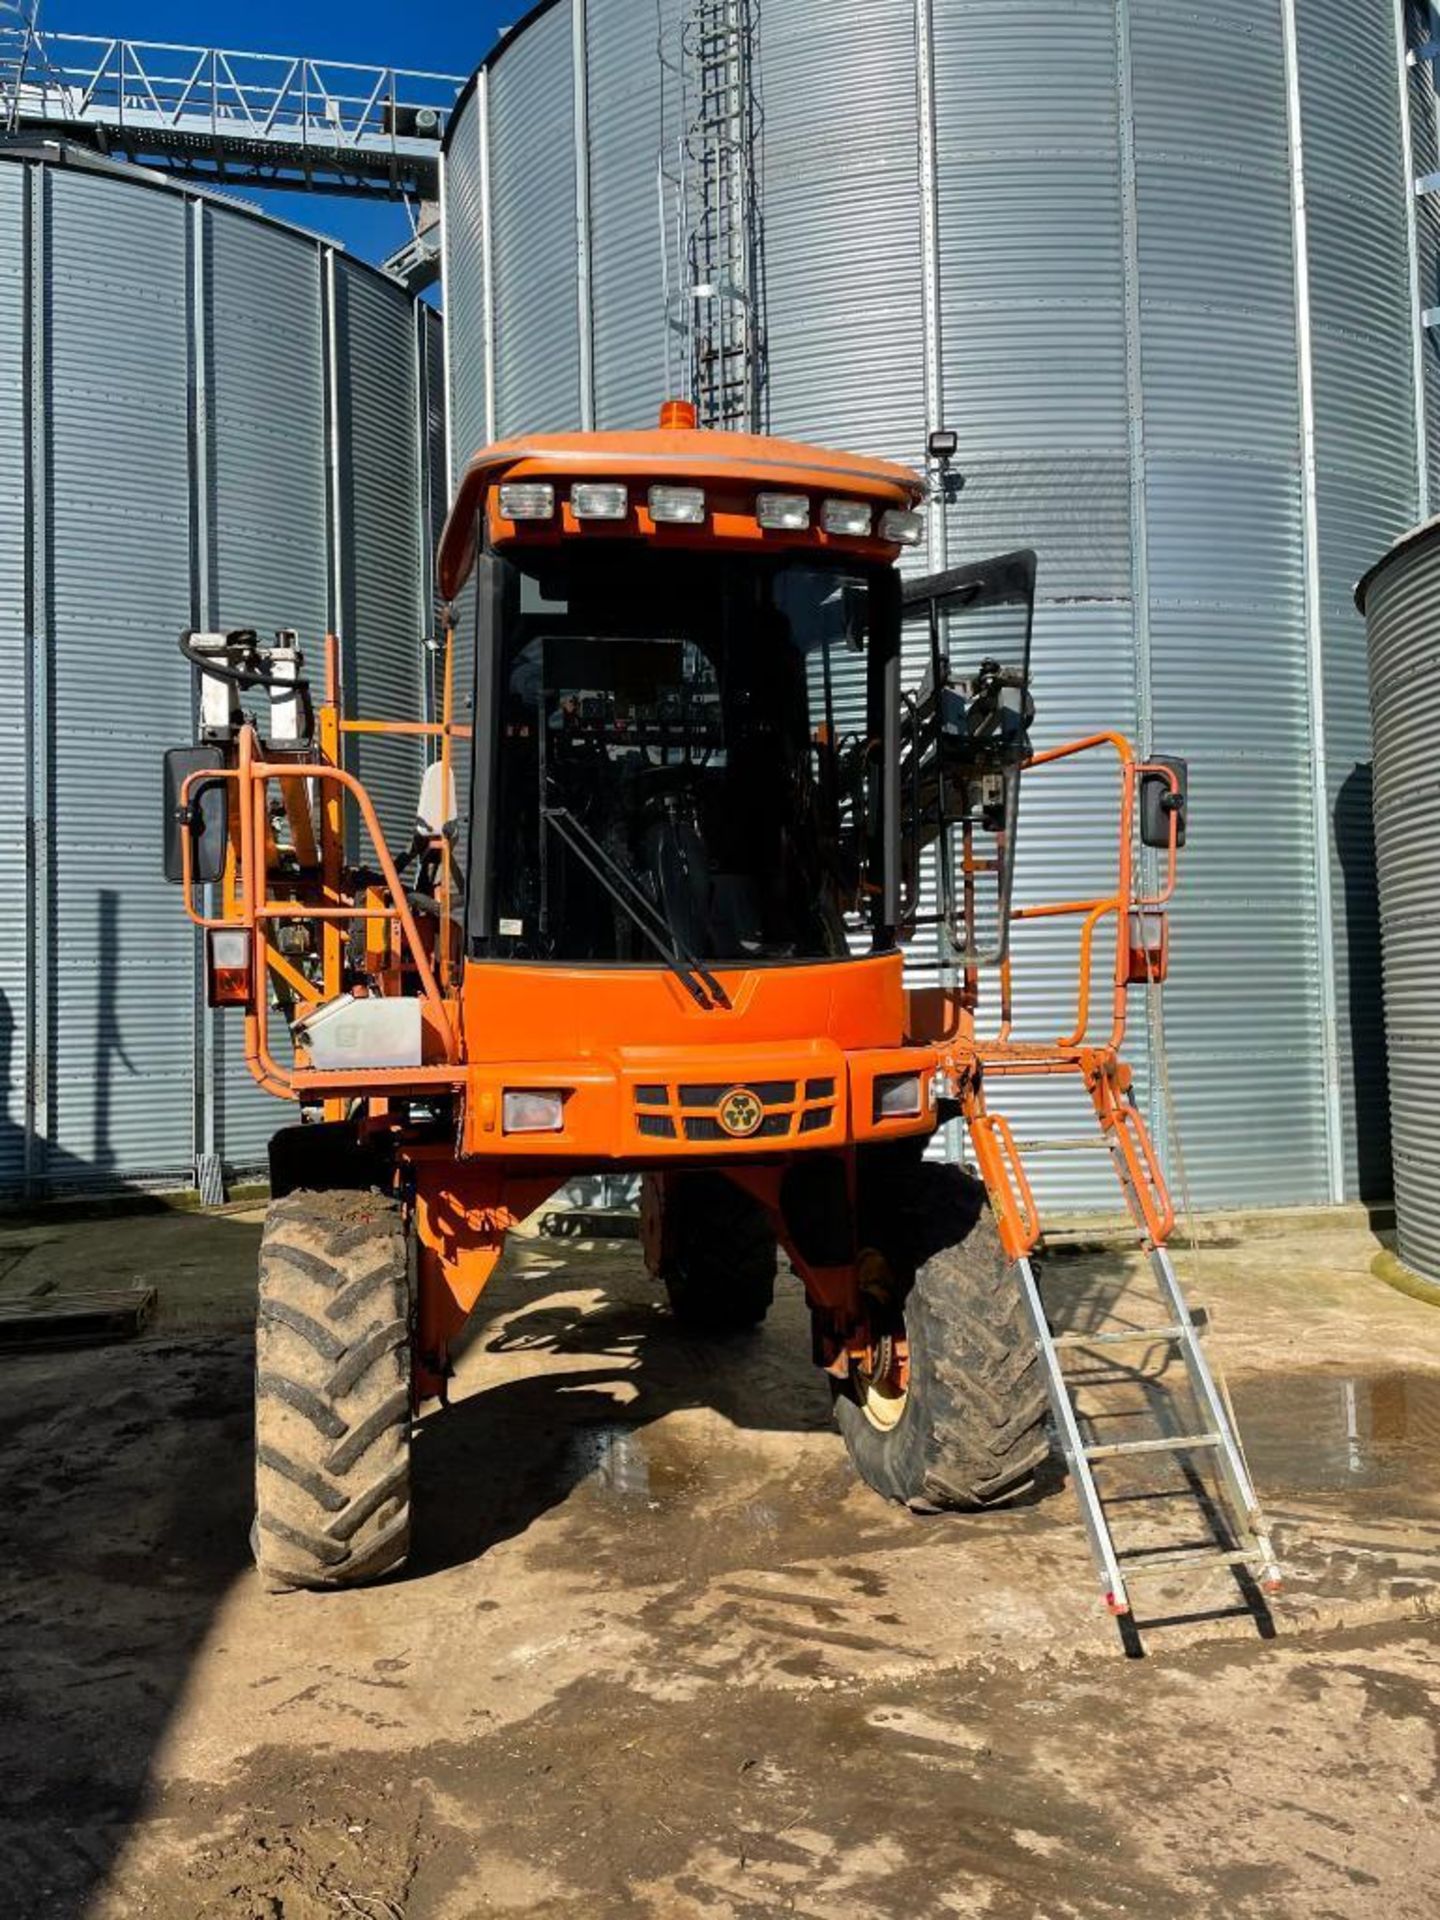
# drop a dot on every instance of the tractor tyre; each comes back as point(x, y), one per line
point(954, 1412)
point(332, 1391)
point(720, 1260)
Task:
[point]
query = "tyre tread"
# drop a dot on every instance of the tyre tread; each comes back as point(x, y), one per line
point(332, 1402)
point(975, 1430)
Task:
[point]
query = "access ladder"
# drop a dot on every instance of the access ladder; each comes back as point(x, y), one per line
point(1136, 916)
point(1123, 1134)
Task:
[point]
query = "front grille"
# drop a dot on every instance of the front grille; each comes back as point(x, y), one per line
point(770, 1093)
point(689, 1111)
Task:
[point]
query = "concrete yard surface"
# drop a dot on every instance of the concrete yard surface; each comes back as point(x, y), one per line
point(657, 1653)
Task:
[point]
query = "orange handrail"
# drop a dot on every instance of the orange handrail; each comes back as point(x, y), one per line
point(1120, 903)
point(261, 771)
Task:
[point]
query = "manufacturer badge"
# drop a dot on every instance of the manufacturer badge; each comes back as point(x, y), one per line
point(740, 1112)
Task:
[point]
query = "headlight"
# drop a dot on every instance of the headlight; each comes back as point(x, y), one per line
point(532, 1110)
point(527, 500)
point(599, 500)
point(682, 505)
point(897, 1096)
point(850, 517)
point(787, 512)
point(907, 528)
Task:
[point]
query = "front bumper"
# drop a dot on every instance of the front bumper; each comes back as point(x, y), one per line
point(658, 1104)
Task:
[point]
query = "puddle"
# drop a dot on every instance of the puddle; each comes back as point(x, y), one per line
point(650, 1501)
point(630, 1467)
point(1332, 1433)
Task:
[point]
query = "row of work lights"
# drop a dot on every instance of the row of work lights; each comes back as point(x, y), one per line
point(685, 506)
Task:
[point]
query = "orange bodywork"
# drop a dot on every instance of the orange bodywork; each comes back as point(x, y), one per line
point(732, 467)
point(643, 1072)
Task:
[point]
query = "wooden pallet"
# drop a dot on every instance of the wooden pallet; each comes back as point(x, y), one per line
point(46, 1317)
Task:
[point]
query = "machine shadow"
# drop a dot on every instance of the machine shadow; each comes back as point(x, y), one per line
point(518, 1444)
point(123, 1525)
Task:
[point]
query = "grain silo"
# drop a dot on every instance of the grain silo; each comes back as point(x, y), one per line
point(1400, 597)
point(207, 419)
point(1159, 273)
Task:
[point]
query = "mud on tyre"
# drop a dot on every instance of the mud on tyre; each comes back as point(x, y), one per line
point(964, 1424)
point(332, 1391)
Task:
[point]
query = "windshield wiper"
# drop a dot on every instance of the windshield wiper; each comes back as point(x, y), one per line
point(697, 979)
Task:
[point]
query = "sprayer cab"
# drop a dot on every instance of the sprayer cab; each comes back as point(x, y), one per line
point(694, 744)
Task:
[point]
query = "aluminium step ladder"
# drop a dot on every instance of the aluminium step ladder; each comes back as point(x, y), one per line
point(1242, 1539)
point(1249, 1543)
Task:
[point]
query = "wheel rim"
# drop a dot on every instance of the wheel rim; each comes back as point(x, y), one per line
point(881, 1383)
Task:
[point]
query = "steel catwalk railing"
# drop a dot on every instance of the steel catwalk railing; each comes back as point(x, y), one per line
point(296, 110)
point(17, 46)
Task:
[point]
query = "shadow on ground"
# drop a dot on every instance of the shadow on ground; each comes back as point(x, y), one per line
point(125, 1512)
point(127, 1473)
point(557, 1392)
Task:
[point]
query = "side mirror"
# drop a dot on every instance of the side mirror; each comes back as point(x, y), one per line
point(205, 817)
point(1159, 800)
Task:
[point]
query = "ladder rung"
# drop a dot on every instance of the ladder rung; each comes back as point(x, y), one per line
point(1084, 1145)
point(1140, 1337)
point(1189, 1557)
point(1180, 1443)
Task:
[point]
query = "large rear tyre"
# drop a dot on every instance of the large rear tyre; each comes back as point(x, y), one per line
point(953, 1412)
point(720, 1259)
point(332, 1391)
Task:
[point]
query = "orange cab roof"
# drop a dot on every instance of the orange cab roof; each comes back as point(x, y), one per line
point(664, 453)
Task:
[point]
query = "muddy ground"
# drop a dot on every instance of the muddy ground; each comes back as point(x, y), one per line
point(657, 1653)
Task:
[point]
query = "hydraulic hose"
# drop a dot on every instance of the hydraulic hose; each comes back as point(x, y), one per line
point(242, 677)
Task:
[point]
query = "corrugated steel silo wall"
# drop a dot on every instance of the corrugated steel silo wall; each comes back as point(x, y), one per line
point(117, 526)
point(842, 245)
point(1405, 690)
point(629, 115)
point(1423, 116)
point(198, 426)
point(1170, 269)
point(532, 166)
point(14, 985)
point(1226, 552)
point(1370, 472)
point(1034, 380)
point(265, 445)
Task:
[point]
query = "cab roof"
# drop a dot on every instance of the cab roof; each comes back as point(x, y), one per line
point(679, 453)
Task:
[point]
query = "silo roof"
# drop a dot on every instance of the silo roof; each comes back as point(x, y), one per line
point(1416, 537)
point(73, 155)
point(507, 37)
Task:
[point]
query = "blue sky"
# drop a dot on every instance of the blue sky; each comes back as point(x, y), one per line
point(415, 33)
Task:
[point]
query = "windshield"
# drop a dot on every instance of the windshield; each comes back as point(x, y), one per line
point(671, 733)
